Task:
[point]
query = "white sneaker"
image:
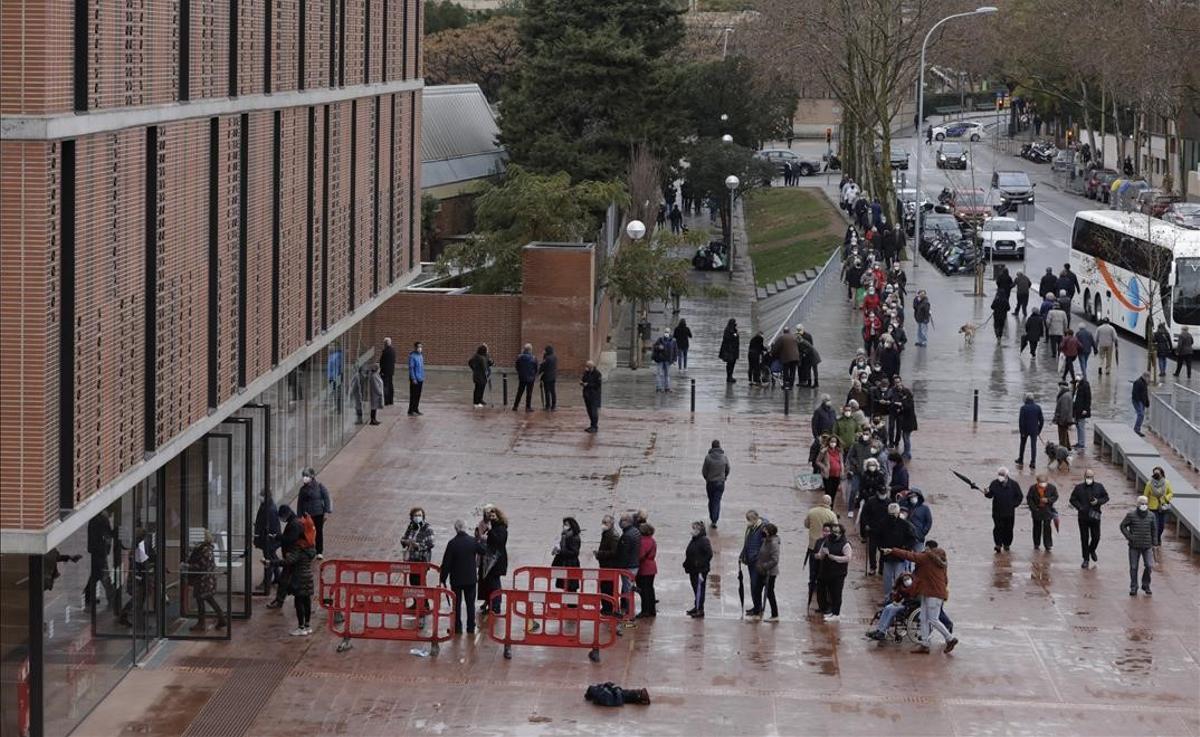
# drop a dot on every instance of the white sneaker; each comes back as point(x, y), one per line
point(320, 556)
point(831, 617)
point(850, 514)
point(298, 632)
point(307, 631)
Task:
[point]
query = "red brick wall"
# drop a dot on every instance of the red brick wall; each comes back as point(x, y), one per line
point(209, 51)
point(556, 301)
point(401, 215)
point(110, 294)
point(229, 144)
point(260, 184)
point(29, 198)
point(383, 187)
point(293, 235)
point(182, 299)
point(35, 56)
point(317, 22)
point(285, 38)
point(133, 56)
point(339, 210)
point(374, 9)
point(450, 326)
point(251, 50)
point(364, 199)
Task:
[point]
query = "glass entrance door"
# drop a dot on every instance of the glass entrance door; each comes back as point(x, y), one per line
point(198, 522)
point(236, 542)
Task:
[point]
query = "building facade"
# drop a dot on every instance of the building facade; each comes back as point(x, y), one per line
point(200, 203)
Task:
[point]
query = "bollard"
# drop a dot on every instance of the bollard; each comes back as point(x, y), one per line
point(787, 401)
point(693, 396)
point(975, 411)
point(504, 375)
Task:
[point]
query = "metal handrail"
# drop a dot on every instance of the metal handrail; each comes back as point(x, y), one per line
point(1175, 429)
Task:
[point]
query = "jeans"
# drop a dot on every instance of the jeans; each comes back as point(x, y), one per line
point(755, 586)
point(715, 489)
point(1083, 362)
point(682, 359)
point(852, 502)
point(1002, 531)
point(1089, 536)
point(1160, 518)
point(1140, 410)
point(1080, 433)
point(931, 619)
point(699, 580)
point(1032, 449)
point(626, 587)
point(1136, 555)
point(662, 376)
point(464, 601)
point(890, 612)
point(906, 437)
point(1162, 365)
point(891, 569)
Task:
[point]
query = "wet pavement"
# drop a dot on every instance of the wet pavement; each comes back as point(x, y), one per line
point(1046, 648)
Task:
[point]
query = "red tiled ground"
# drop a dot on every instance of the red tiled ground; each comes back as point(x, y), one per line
point(1046, 648)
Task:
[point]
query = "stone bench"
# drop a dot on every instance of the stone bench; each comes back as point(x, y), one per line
point(1120, 441)
point(1187, 515)
point(1139, 469)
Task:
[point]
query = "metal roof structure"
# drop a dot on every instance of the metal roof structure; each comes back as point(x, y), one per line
point(458, 136)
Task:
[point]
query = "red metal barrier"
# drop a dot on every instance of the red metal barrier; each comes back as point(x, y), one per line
point(377, 572)
point(605, 581)
point(552, 619)
point(386, 612)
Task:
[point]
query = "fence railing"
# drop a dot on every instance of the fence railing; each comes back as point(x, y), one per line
point(830, 274)
point(1175, 429)
point(1187, 402)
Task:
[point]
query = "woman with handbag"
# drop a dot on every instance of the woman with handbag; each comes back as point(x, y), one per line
point(1158, 493)
point(493, 533)
point(566, 553)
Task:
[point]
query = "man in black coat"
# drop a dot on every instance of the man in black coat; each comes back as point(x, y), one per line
point(458, 565)
point(590, 381)
point(823, 417)
point(387, 370)
point(606, 556)
point(1087, 499)
point(266, 539)
point(1006, 497)
point(100, 538)
point(549, 371)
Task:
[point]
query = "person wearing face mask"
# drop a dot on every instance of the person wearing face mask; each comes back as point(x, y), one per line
point(266, 539)
point(931, 583)
point(629, 548)
point(872, 329)
point(697, 559)
point(1081, 409)
point(889, 357)
point(819, 517)
point(892, 534)
point(416, 379)
point(1040, 499)
point(823, 417)
point(1159, 494)
point(903, 591)
point(606, 555)
point(856, 458)
point(752, 543)
point(845, 428)
point(768, 567)
point(923, 314)
point(858, 393)
point(1006, 497)
point(665, 352)
point(871, 301)
point(494, 562)
point(871, 521)
point(919, 515)
point(646, 571)
point(831, 465)
point(315, 502)
point(418, 539)
point(907, 421)
point(1087, 499)
point(715, 471)
point(832, 558)
point(458, 566)
point(566, 553)
point(859, 363)
point(1141, 532)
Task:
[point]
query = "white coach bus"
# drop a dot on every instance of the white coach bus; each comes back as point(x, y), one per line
point(1133, 268)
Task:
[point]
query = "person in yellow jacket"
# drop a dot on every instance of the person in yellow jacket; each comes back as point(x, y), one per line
point(1158, 493)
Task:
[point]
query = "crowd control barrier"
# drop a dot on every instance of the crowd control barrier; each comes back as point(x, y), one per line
point(552, 619)
point(384, 612)
point(605, 581)
point(378, 572)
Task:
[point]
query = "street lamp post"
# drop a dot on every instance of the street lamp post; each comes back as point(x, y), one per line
point(732, 183)
point(636, 230)
point(983, 10)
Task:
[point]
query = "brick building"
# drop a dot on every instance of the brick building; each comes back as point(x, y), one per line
point(200, 203)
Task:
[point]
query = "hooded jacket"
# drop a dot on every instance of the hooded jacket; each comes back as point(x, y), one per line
point(930, 578)
point(698, 556)
point(716, 466)
point(919, 514)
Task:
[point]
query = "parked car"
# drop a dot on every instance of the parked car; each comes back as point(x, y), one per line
point(968, 129)
point(1125, 193)
point(953, 156)
point(971, 206)
point(898, 158)
point(1003, 237)
point(779, 156)
point(1098, 182)
point(934, 223)
point(1063, 162)
point(1014, 187)
point(1184, 214)
point(1155, 202)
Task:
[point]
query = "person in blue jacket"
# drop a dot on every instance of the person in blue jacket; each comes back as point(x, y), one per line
point(919, 516)
point(416, 378)
point(1029, 422)
point(527, 371)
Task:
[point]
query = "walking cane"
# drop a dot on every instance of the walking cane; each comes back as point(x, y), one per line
point(741, 591)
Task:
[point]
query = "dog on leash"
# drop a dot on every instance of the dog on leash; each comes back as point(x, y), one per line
point(1058, 454)
point(968, 333)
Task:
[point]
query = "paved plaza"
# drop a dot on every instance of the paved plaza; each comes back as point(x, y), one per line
point(1046, 647)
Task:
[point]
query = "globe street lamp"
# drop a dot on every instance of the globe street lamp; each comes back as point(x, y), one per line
point(727, 138)
point(983, 10)
point(636, 230)
point(732, 183)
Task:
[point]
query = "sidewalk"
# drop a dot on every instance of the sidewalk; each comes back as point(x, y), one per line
point(1046, 647)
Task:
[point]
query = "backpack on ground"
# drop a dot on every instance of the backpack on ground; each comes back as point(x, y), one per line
point(309, 538)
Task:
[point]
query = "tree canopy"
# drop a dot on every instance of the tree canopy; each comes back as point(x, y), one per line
point(483, 53)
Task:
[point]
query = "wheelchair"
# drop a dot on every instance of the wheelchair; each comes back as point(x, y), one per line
point(905, 625)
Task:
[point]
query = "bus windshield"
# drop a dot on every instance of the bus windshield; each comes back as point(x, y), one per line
point(1186, 297)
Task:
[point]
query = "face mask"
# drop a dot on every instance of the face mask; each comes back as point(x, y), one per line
point(696, 532)
point(825, 403)
point(1001, 477)
point(882, 495)
point(418, 519)
point(305, 479)
point(833, 445)
point(1143, 507)
point(1089, 482)
point(566, 528)
point(846, 413)
point(1158, 476)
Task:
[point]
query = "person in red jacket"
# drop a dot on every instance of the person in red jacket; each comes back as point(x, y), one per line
point(647, 570)
point(871, 301)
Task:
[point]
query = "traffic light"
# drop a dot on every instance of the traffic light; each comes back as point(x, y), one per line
point(829, 135)
point(1070, 135)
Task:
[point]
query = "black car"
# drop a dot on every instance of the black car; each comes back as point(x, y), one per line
point(953, 156)
point(935, 223)
point(1014, 187)
point(898, 159)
